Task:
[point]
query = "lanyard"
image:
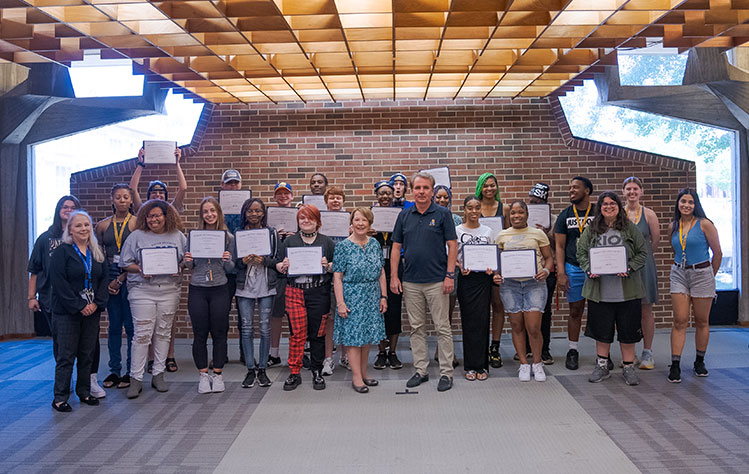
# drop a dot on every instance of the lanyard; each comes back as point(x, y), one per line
point(118, 235)
point(683, 239)
point(86, 264)
point(581, 225)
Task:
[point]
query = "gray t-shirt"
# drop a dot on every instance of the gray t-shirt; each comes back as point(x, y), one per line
point(141, 240)
point(211, 272)
point(611, 285)
point(256, 283)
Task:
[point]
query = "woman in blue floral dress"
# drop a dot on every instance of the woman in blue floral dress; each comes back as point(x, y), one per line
point(359, 282)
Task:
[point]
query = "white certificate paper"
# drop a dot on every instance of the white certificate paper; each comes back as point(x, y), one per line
point(518, 263)
point(385, 217)
point(478, 258)
point(608, 260)
point(253, 242)
point(441, 175)
point(304, 261)
point(539, 214)
point(497, 224)
point(335, 223)
point(159, 152)
point(231, 201)
point(282, 218)
point(207, 243)
point(317, 200)
point(159, 261)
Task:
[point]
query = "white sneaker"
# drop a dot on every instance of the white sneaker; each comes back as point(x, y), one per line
point(524, 373)
point(217, 382)
point(96, 390)
point(344, 363)
point(328, 366)
point(204, 386)
point(538, 372)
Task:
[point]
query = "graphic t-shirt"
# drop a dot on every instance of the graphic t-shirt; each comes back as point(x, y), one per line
point(569, 225)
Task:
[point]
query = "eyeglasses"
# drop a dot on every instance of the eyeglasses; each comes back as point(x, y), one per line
point(154, 216)
point(609, 204)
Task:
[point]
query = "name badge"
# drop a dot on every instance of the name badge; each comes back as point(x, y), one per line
point(386, 253)
point(116, 259)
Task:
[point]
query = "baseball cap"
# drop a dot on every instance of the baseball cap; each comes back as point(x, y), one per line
point(231, 175)
point(282, 185)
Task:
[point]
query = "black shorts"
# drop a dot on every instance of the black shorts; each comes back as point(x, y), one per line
point(625, 317)
point(279, 301)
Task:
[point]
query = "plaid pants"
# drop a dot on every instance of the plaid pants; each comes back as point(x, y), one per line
point(308, 311)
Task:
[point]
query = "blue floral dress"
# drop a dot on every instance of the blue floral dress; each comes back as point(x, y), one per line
point(361, 268)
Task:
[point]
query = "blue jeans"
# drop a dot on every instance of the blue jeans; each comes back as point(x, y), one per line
point(118, 309)
point(246, 313)
point(523, 296)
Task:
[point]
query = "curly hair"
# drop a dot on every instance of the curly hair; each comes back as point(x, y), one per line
point(172, 220)
point(599, 225)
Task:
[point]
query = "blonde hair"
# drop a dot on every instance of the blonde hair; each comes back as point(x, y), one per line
point(93, 243)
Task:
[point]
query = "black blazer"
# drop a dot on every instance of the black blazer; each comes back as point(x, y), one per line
point(68, 275)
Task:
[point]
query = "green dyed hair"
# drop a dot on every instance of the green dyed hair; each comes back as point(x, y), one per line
point(480, 185)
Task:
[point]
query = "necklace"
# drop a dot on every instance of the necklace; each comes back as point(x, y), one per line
point(638, 213)
point(310, 234)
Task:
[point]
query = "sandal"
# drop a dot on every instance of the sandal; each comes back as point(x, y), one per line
point(111, 381)
point(90, 401)
point(471, 375)
point(171, 365)
point(482, 375)
point(124, 381)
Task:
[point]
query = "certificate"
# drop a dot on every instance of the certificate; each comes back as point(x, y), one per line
point(335, 223)
point(253, 242)
point(518, 263)
point(384, 218)
point(317, 200)
point(282, 218)
point(159, 261)
point(304, 261)
point(478, 258)
point(159, 152)
point(441, 176)
point(207, 243)
point(608, 260)
point(539, 214)
point(232, 201)
point(497, 224)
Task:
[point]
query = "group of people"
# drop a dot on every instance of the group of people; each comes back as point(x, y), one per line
point(78, 269)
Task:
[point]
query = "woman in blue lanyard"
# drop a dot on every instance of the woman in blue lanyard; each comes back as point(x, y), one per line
point(79, 293)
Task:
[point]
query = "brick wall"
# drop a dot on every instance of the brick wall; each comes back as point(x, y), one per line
point(357, 143)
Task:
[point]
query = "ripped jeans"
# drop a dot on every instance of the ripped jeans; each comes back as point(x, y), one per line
point(153, 308)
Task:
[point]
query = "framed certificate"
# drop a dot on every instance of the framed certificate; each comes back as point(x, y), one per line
point(232, 201)
point(477, 258)
point(335, 223)
point(608, 260)
point(539, 214)
point(497, 224)
point(159, 152)
point(159, 261)
point(283, 219)
point(385, 217)
point(207, 243)
point(253, 242)
point(441, 175)
point(304, 261)
point(317, 200)
point(518, 263)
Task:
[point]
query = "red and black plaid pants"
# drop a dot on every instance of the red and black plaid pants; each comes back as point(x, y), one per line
point(308, 311)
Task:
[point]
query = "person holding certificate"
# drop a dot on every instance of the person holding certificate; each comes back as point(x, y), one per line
point(231, 181)
point(525, 298)
point(256, 286)
point(693, 236)
point(151, 256)
point(308, 263)
point(474, 293)
point(282, 195)
point(360, 288)
point(156, 188)
point(79, 292)
point(208, 299)
point(612, 253)
point(334, 200)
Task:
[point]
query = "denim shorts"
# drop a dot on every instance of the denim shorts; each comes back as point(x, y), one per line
point(523, 296)
point(695, 282)
point(577, 279)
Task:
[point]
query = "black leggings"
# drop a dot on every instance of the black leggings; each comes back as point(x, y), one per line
point(209, 313)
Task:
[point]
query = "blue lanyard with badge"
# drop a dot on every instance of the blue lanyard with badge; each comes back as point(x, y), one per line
point(87, 293)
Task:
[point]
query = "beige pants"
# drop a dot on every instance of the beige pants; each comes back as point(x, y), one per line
point(419, 297)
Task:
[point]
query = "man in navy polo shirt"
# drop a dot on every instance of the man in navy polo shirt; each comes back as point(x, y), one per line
point(422, 231)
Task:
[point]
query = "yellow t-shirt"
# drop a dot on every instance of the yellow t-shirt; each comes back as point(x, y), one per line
point(524, 239)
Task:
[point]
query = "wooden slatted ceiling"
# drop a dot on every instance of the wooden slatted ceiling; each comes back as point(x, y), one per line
point(290, 50)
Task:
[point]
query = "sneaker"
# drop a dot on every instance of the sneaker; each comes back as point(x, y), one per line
point(98, 392)
point(647, 362)
point(538, 372)
point(699, 370)
point(495, 359)
point(621, 364)
point(217, 383)
point(416, 380)
point(158, 382)
point(381, 361)
point(572, 362)
point(318, 382)
point(600, 373)
point(204, 384)
point(263, 379)
point(546, 358)
point(292, 382)
point(249, 379)
point(305, 362)
point(674, 373)
point(394, 362)
point(328, 366)
point(524, 373)
point(516, 357)
point(344, 363)
point(445, 383)
point(630, 375)
point(273, 361)
point(136, 386)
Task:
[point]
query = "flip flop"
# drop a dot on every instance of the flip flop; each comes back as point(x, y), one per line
point(111, 381)
point(124, 381)
point(171, 365)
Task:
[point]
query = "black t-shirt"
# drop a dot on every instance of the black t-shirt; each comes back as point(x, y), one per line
point(568, 225)
point(39, 265)
point(328, 249)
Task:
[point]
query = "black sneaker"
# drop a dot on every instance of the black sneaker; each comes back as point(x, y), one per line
point(292, 382)
point(546, 358)
point(445, 384)
point(674, 373)
point(381, 362)
point(394, 362)
point(699, 369)
point(416, 380)
point(263, 379)
point(609, 363)
point(249, 379)
point(495, 359)
point(318, 382)
point(273, 361)
point(305, 361)
point(572, 362)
